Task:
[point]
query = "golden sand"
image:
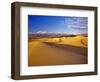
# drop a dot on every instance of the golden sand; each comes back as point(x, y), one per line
point(80, 41)
point(57, 51)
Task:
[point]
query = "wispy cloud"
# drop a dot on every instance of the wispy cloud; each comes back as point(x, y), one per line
point(41, 32)
point(77, 22)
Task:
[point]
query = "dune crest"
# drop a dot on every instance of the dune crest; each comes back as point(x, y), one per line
point(80, 41)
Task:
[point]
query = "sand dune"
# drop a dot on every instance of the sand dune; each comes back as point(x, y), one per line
point(53, 51)
point(80, 41)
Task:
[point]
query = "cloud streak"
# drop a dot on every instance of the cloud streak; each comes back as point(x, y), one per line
point(41, 32)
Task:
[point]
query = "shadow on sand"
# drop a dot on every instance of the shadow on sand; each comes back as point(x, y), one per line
point(75, 49)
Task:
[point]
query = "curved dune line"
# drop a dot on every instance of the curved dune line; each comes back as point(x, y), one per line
point(84, 42)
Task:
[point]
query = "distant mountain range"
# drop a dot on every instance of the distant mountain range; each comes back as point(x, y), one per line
point(52, 35)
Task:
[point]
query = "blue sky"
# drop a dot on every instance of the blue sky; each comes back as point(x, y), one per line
point(57, 24)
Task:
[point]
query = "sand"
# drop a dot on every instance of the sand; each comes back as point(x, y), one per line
point(57, 51)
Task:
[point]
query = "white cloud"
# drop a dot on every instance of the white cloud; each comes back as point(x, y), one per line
point(76, 27)
point(41, 32)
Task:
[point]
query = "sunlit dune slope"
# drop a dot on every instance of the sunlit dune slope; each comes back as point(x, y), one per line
point(80, 41)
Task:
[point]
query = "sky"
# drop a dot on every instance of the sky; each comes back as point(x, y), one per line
point(57, 24)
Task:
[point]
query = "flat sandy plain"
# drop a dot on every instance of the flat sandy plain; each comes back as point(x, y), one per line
point(57, 51)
